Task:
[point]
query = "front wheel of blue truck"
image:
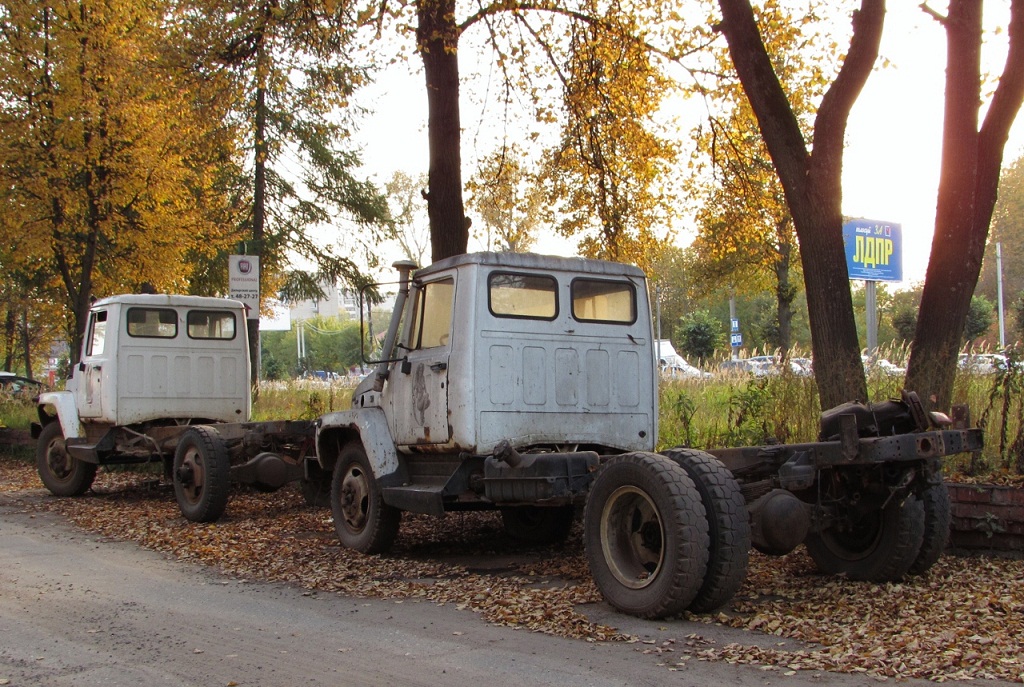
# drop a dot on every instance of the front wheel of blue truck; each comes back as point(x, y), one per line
point(646, 535)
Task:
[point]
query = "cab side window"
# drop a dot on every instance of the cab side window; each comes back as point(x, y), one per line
point(432, 324)
point(97, 333)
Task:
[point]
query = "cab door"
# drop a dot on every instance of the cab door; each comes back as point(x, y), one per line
point(419, 384)
point(89, 387)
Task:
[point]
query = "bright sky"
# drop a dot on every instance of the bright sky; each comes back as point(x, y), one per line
point(891, 163)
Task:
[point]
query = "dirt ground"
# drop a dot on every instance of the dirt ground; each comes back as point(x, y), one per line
point(271, 552)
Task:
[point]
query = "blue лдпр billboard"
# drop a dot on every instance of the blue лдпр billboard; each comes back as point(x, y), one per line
point(874, 250)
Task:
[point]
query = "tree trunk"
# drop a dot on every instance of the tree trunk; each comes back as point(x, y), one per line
point(26, 344)
point(969, 179)
point(10, 321)
point(259, 219)
point(813, 183)
point(785, 293)
point(438, 37)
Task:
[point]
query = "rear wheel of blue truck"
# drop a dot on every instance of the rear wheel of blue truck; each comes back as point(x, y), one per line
point(361, 518)
point(646, 535)
point(728, 527)
point(201, 474)
point(61, 473)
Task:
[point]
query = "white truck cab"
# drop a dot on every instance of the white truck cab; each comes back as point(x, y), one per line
point(156, 357)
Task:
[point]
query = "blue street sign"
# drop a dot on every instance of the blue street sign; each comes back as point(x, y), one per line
point(874, 250)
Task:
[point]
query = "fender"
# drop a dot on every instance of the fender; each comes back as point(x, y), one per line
point(67, 412)
point(371, 426)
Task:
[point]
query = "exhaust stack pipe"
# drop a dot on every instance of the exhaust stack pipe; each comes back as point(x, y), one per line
point(405, 269)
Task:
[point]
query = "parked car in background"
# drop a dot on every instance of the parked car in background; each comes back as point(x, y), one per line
point(985, 363)
point(671, 364)
point(683, 369)
point(13, 383)
point(757, 366)
point(881, 366)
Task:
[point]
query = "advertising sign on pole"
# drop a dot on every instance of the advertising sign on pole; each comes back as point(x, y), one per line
point(874, 250)
point(244, 282)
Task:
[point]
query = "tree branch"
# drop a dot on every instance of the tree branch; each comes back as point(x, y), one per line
point(834, 111)
point(941, 18)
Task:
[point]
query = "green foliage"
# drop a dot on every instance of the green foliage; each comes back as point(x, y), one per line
point(1007, 230)
point(1018, 313)
point(699, 334)
point(904, 321)
point(331, 344)
point(273, 369)
point(979, 318)
point(1003, 417)
point(17, 410)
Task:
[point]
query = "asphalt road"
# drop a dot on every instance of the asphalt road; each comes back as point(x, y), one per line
point(77, 609)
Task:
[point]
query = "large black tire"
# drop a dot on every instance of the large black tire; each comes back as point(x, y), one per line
point(537, 524)
point(201, 474)
point(937, 518)
point(728, 527)
point(361, 518)
point(62, 473)
point(879, 547)
point(646, 535)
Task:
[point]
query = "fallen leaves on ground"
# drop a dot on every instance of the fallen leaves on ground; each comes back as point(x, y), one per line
point(962, 620)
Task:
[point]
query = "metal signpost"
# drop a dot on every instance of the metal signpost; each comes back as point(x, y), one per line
point(874, 253)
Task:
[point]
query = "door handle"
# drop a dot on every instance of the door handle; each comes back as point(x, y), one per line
point(437, 367)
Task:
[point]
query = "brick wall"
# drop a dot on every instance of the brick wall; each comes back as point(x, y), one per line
point(987, 518)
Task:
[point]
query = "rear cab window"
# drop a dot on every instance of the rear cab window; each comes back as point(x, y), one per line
point(211, 324)
point(159, 323)
point(523, 296)
point(601, 300)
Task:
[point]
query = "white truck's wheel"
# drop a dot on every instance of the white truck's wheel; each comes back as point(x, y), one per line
point(361, 518)
point(201, 474)
point(62, 473)
point(646, 535)
point(728, 527)
point(937, 519)
point(879, 546)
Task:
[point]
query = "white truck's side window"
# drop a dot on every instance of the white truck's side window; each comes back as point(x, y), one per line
point(97, 333)
point(433, 323)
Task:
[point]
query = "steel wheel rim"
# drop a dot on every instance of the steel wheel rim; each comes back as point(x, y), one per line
point(192, 462)
point(632, 537)
point(859, 542)
point(58, 461)
point(355, 498)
